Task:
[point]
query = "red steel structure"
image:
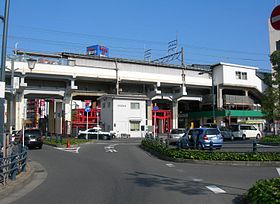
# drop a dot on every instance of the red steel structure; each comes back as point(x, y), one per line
point(79, 118)
point(163, 120)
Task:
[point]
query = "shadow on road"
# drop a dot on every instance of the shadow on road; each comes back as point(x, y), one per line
point(185, 186)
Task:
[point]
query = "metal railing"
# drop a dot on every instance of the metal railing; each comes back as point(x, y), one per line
point(13, 165)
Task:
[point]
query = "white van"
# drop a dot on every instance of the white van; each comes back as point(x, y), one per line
point(245, 131)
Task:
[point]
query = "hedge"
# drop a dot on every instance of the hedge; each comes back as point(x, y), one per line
point(207, 155)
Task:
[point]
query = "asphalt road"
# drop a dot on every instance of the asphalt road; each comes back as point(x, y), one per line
point(119, 172)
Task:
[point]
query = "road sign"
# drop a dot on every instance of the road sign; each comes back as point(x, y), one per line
point(155, 108)
point(87, 109)
point(275, 18)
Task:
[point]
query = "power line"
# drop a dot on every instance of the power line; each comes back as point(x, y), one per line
point(143, 41)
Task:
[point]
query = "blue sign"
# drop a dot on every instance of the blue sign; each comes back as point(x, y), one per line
point(155, 108)
point(98, 50)
point(87, 109)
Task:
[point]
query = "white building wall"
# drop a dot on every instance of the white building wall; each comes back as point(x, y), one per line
point(123, 114)
point(229, 76)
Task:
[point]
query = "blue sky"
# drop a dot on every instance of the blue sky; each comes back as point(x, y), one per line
point(210, 31)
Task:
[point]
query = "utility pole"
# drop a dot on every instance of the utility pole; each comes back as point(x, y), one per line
point(3, 66)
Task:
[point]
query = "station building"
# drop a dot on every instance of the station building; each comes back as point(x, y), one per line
point(128, 96)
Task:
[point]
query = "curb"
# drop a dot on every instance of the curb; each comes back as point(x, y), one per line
point(22, 179)
point(211, 162)
point(25, 183)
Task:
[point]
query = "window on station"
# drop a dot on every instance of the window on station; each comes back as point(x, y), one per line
point(238, 75)
point(135, 105)
point(244, 75)
point(134, 125)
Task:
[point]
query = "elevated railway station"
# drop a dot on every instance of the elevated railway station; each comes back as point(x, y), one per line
point(53, 96)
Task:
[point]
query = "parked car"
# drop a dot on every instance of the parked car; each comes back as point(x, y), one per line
point(176, 134)
point(226, 133)
point(32, 138)
point(94, 133)
point(245, 131)
point(202, 138)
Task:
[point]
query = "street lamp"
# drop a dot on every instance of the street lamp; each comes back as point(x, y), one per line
point(31, 63)
point(212, 92)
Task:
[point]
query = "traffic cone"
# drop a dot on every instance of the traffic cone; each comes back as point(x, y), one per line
point(68, 142)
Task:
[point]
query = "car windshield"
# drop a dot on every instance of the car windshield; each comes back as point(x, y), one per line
point(234, 128)
point(32, 132)
point(212, 132)
point(177, 131)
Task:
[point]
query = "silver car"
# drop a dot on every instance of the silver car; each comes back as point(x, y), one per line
point(176, 134)
point(202, 138)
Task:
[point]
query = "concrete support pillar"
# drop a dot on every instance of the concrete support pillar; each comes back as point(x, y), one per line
point(175, 114)
point(68, 113)
point(246, 92)
point(219, 97)
point(149, 113)
point(58, 118)
point(20, 111)
point(51, 123)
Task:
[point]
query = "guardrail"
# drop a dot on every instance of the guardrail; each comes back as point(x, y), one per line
point(14, 164)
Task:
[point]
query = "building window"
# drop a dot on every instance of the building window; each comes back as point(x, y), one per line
point(241, 75)
point(244, 75)
point(134, 125)
point(103, 105)
point(135, 105)
point(238, 75)
point(278, 45)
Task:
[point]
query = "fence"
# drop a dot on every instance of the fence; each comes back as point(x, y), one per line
point(14, 164)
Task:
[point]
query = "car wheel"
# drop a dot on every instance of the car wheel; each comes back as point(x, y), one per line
point(243, 137)
point(258, 136)
point(40, 147)
point(200, 146)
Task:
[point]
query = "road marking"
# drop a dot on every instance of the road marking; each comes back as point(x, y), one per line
point(170, 165)
point(197, 180)
point(278, 170)
point(73, 149)
point(110, 148)
point(215, 189)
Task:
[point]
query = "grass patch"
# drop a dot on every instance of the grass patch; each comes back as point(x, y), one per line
point(63, 142)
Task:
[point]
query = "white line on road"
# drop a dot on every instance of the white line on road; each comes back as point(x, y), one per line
point(110, 148)
point(73, 149)
point(197, 180)
point(170, 165)
point(215, 189)
point(278, 170)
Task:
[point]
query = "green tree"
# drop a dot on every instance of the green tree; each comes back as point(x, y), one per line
point(271, 96)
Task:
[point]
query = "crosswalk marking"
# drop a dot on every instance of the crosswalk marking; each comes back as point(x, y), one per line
point(215, 189)
point(278, 170)
point(110, 148)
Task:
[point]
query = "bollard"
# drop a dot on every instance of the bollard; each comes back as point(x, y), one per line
point(211, 146)
point(254, 146)
point(61, 139)
point(56, 138)
point(167, 143)
point(179, 144)
point(68, 142)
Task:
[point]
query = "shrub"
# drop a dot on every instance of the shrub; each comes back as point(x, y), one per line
point(206, 155)
point(271, 139)
point(265, 191)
